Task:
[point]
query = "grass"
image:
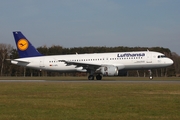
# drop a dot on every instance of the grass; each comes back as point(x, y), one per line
point(89, 101)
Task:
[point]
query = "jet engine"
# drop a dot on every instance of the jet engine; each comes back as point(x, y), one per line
point(109, 70)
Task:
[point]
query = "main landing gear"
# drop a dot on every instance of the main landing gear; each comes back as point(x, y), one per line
point(98, 77)
point(91, 77)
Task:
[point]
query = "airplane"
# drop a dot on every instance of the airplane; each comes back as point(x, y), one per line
point(96, 64)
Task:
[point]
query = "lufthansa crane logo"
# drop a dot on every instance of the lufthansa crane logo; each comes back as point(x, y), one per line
point(22, 44)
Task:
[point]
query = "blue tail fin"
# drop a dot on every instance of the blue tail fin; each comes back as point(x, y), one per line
point(24, 47)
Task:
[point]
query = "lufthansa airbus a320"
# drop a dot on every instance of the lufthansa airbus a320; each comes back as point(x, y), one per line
point(97, 64)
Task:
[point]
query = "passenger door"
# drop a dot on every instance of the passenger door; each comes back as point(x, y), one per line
point(41, 63)
point(149, 57)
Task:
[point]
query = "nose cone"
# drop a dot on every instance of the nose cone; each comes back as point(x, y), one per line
point(169, 61)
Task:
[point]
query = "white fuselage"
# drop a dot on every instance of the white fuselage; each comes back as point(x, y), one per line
point(122, 60)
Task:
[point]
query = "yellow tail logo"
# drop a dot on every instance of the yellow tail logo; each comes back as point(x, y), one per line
point(22, 44)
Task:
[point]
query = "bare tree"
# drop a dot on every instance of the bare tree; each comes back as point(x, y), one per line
point(5, 50)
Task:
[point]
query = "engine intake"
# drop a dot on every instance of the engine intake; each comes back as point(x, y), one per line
point(109, 70)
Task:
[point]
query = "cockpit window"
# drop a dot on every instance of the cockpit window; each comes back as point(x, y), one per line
point(161, 56)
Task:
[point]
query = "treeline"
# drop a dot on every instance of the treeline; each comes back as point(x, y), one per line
point(8, 52)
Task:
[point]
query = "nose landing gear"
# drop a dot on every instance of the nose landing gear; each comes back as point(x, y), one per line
point(150, 75)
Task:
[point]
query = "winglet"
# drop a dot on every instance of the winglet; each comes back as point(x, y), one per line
point(24, 47)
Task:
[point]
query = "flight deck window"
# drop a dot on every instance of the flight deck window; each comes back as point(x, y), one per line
point(161, 56)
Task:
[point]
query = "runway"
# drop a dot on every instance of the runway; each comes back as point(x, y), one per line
point(91, 81)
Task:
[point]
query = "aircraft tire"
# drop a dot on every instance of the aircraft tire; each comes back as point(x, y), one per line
point(90, 77)
point(98, 77)
point(150, 77)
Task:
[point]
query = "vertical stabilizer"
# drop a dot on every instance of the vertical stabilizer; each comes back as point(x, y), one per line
point(24, 47)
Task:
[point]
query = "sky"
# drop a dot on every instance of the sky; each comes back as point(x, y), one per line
point(80, 23)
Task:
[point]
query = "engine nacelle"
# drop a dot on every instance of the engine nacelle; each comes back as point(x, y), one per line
point(109, 70)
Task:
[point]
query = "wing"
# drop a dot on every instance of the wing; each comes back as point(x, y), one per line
point(86, 66)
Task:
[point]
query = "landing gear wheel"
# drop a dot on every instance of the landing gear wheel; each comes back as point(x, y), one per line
point(98, 77)
point(90, 77)
point(150, 77)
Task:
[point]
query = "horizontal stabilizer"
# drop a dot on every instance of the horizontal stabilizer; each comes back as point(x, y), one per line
point(19, 62)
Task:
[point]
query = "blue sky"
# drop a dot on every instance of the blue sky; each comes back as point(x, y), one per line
point(79, 23)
